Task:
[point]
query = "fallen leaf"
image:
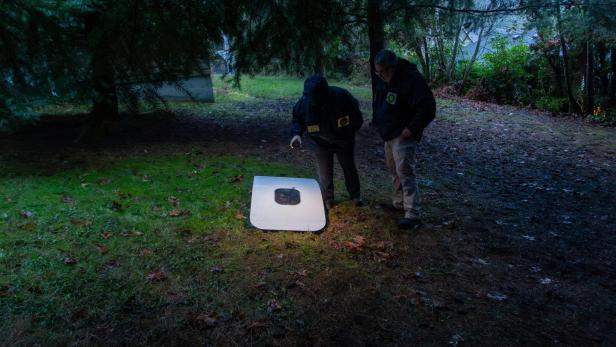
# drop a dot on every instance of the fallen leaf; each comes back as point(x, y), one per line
point(204, 320)
point(217, 270)
point(115, 206)
point(497, 296)
point(112, 264)
point(357, 244)
point(69, 260)
point(256, 325)
point(106, 235)
point(211, 239)
point(102, 249)
point(78, 222)
point(174, 201)
point(239, 215)
point(67, 199)
point(383, 245)
point(237, 179)
point(178, 213)
point(156, 276)
point(103, 180)
point(380, 256)
point(273, 306)
point(225, 207)
point(145, 252)
point(137, 233)
point(302, 272)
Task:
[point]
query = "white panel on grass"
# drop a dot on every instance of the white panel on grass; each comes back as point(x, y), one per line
point(286, 203)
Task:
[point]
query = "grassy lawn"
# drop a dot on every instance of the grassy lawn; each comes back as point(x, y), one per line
point(159, 242)
point(256, 90)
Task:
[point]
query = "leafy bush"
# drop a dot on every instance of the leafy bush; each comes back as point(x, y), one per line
point(552, 104)
point(506, 72)
point(606, 115)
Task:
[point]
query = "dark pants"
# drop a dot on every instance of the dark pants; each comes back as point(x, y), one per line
point(325, 165)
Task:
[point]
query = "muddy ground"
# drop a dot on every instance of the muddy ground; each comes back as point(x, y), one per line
point(518, 246)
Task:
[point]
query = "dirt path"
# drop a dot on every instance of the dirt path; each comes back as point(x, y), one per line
point(520, 238)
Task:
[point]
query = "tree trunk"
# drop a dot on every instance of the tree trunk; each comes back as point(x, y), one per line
point(603, 69)
point(376, 36)
point(428, 67)
point(613, 79)
point(420, 56)
point(452, 63)
point(441, 56)
point(471, 62)
point(573, 106)
point(589, 77)
point(104, 112)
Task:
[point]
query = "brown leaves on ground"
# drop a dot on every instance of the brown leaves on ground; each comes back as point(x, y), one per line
point(115, 206)
point(68, 260)
point(239, 215)
point(178, 213)
point(102, 249)
point(202, 320)
point(156, 276)
point(379, 251)
point(128, 233)
point(357, 244)
point(106, 235)
point(103, 180)
point(225, 207)
point(217, 270)
point(237, 179)
point(174, 201)
point(79, 222)
point(273, 306)
point(67, 199)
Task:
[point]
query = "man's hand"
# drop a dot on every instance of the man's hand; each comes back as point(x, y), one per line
point(406, 133)
point(296, 142)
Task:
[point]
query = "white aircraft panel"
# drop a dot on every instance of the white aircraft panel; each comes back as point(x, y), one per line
point(285, 210)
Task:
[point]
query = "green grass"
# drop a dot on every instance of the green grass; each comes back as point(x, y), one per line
point(256, 90)
point(125, 206)
point(77, 247)
point(273, 87)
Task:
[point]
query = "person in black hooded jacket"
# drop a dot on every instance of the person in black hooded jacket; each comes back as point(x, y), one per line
point(403, 107)
point(331, 117)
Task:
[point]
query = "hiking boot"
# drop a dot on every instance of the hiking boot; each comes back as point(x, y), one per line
point(409, 223)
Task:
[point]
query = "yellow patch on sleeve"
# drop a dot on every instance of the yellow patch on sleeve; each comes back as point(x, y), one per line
point(313, 128)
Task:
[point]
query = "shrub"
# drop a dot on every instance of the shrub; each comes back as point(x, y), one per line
point(552, 104)
point(506, 72)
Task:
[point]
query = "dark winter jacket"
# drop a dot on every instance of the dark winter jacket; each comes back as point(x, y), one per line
point(406, 101)
point(330, 115)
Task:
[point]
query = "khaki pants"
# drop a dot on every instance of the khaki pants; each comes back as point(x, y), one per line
point(400, 159)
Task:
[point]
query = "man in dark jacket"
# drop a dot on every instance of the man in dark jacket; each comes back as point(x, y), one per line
point(403, 106)
point(331, 117)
